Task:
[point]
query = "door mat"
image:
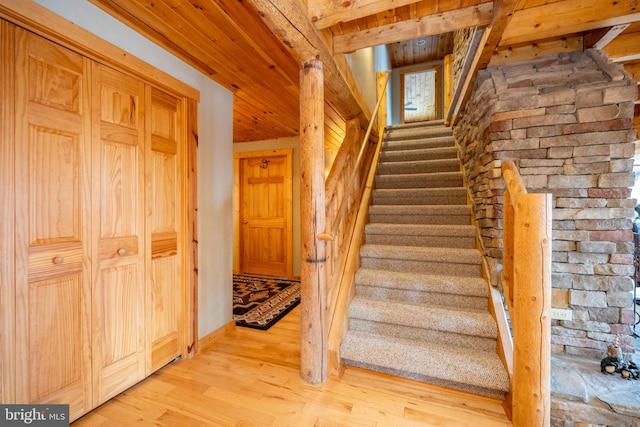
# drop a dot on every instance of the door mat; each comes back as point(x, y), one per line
point(260, 301)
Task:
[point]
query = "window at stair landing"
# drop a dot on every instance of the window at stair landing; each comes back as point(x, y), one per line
point(421, 94)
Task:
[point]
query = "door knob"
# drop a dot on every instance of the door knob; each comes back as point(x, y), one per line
point(245, 222)
point(122, 251)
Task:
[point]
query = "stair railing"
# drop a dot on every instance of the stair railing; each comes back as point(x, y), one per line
point(347, 198)
point(332, 229)
point(526, 280)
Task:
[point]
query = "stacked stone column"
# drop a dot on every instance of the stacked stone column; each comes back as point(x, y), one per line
point(567, 122)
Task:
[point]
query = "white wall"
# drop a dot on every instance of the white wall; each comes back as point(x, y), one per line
point(383, 63)
point(276, 144)
point(215, 161)
point(363, 69)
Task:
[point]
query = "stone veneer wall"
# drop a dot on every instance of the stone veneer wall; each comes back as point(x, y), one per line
point(567, 122)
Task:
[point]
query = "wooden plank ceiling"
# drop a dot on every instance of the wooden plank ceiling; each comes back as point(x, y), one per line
point(229, 41)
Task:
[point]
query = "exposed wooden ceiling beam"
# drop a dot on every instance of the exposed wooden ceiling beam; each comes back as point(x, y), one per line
point(325, 13)
point(289, 23)
point(567, 17)
point(439, 23)
point(625, 47)
point(601, 37)
point(535, 50)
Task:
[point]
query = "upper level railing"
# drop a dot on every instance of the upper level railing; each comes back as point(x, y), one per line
point(526, 280)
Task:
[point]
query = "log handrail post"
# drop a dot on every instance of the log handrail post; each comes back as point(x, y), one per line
point(527, 280)
point(313, 328)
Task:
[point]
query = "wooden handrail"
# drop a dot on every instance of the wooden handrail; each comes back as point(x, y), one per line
point(526, 279)
point(330, 234)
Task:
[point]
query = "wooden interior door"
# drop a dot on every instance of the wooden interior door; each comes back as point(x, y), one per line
point(265, 213)
point(119, 357)
point(52, 225)
point(165, 140)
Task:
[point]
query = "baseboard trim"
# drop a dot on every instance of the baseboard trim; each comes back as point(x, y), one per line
point(214, 336)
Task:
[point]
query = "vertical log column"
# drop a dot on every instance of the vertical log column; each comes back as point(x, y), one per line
point(531, 317)
point(381, 79)
point(313, 329)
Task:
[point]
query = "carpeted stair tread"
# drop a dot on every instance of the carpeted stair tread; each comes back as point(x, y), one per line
point(423, 180)
point(459, 236)
point(420, 214)
point(420, 358)
point(421, 124)
point(423, 229)
point(420, 196)
point(419, 166)
point(416, 132)
point(418, 143)
point(419, 154)
point(446, 319)
point(464, 286)
point(451, 319)
point(455, 255)
point(425, 334)
point(424, 260)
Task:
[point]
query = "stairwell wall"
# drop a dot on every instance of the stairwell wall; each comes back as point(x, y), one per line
point(567, 122)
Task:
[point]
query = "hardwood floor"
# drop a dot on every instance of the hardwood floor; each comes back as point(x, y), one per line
point(251, 378)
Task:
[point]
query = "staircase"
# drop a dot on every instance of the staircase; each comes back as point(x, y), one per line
point(421, 305)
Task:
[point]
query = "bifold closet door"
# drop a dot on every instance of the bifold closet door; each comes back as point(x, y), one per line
point(52, 224)
point(165, 145)
point(119, 335)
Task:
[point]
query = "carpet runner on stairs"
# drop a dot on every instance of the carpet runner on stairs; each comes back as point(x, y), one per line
point(421, 305)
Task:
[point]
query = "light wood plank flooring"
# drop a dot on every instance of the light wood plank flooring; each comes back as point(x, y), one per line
point(251, 378)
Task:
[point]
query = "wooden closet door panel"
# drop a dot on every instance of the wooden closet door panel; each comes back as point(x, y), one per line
point(119, 354)
point(164, 137)
point(52, 224)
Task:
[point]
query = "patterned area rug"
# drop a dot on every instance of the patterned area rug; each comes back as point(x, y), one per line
point(260, 301)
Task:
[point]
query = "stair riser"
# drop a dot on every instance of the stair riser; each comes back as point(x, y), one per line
point(428, 299)
point(420, 219)
point(423, 266)
point(405, 134)
point(397, 168)
point(408, 332)
point(418, 200)
point(473, 287)
point(425, 241)
point(417, 155)
point(408, 182)
point(468, 388)
point(413, 144)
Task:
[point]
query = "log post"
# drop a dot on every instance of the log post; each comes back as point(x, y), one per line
point(531, 317)
point(381, 79)
point(313, 329)
point(448, 81)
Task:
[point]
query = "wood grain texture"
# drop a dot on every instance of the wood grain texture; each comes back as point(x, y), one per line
point(265, 227)
point(313, 298)
point(7, 211)
point(51, 345)
point(252, 378)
